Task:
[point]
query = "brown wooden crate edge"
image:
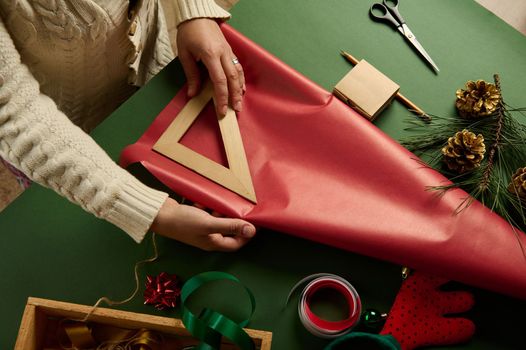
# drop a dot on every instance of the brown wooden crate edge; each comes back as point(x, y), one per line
point(37, 312)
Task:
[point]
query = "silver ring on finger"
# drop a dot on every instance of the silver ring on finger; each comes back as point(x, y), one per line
point(235, 61)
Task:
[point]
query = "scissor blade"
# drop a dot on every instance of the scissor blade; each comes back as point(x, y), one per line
point(412, 39)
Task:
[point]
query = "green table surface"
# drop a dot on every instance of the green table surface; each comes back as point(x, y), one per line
point(52, 249)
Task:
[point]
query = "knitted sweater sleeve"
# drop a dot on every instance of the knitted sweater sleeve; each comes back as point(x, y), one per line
point(42, 142)
point(189, 9)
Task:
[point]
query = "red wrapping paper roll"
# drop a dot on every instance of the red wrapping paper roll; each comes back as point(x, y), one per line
point(324, 173)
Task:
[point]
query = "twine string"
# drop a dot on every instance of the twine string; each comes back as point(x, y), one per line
point(110, 302)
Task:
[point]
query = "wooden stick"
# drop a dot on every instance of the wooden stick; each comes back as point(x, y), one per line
point(349, 57)
point(411, 105)
point(407, 102)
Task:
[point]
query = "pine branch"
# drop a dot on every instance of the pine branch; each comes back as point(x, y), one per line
point(488, 183)
point(496, 144)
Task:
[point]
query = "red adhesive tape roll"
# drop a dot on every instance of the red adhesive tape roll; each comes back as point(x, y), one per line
point(317, 325)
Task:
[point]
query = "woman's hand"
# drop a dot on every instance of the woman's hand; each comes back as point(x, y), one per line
point(196, 227)
point(201, 39)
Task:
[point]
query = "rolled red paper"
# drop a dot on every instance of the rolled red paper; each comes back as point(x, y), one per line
point(324, 173)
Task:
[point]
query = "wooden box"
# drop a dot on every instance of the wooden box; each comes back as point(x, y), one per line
point(40, 314)
point(366, 89)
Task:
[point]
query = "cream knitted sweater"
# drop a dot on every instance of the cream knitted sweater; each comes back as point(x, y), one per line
point(64, 66)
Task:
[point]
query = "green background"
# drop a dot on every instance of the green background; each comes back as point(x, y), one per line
point(52, 249)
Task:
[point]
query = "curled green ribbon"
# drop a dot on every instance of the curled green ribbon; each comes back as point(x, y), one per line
point(210, 326)
point(360, 340)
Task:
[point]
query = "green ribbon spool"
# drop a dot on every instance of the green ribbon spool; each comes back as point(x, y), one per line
point(368, 341)
point(210, 326)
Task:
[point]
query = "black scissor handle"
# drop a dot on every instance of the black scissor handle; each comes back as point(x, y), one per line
point(392, 6)
point(380, 12)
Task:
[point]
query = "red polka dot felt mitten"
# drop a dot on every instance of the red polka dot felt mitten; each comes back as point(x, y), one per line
point(419, 316)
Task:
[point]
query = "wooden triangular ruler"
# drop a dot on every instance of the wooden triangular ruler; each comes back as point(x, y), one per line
point(236, 178)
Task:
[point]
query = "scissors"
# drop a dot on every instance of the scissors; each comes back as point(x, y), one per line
point(388, 10)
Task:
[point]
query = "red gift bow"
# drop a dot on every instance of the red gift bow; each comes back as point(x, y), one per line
point(324, 173)
point(162, 291)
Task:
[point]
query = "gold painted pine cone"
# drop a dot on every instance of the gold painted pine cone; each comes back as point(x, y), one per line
point(517, 185)
point(464, 151)
point(478, 100)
